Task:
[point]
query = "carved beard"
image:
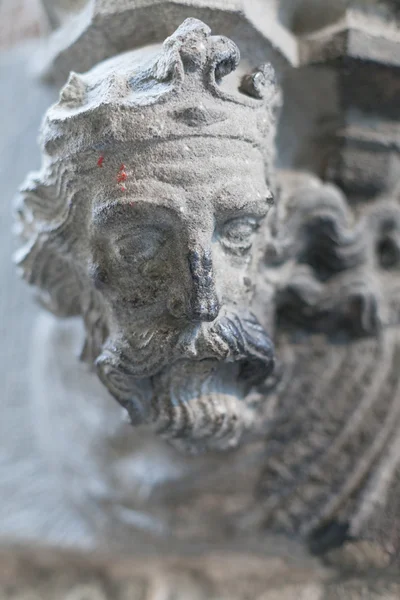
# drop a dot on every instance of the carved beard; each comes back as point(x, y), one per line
point(191, 385)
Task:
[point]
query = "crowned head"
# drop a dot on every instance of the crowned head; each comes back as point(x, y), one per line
point(146, 219)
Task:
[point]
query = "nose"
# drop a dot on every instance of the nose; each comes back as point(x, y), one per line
point(203, 301)
point(198, 302)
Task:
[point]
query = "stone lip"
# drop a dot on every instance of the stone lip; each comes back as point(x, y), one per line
point(203, 572)
point(48, 573)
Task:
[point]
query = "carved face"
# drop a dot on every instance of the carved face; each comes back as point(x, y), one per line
point(172, 255)
point(174, 249)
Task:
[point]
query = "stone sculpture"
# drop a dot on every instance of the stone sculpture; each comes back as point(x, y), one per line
point(146, 160)
point(245, 317)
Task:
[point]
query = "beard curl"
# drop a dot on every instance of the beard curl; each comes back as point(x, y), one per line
point(191, 386)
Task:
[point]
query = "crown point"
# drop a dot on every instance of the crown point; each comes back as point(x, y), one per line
point(259, 83)
point(184, 51)
point(224, 56)
point(192, 50)
point(73, 93)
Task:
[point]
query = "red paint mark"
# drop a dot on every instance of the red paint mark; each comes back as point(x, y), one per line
point(100, 161)
point(122, 176)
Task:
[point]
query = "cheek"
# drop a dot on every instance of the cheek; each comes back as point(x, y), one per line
point(134, 283)
point(233, 277)
point(156, 270)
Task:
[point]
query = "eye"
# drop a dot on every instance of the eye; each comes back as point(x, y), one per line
point(388, 252)
point(139, 246)
point(236, 235)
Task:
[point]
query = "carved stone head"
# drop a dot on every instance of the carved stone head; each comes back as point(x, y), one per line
point(146, 219)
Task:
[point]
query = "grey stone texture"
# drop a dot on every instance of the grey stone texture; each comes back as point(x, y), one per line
point(142, 154)
point(46, 574)
point(125, 226)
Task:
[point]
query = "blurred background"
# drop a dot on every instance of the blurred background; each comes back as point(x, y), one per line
point(30, 506)
point(21, 20)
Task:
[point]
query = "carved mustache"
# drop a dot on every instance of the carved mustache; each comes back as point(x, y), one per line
point(248, 343)
point(232, 338)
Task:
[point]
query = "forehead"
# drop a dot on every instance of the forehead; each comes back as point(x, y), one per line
point(192, 176)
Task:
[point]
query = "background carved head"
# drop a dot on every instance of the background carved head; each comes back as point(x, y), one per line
point(144, 219)
point(343, 262)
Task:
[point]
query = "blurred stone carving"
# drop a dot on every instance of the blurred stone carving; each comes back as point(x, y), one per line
point(39, 573)
point(336, 438)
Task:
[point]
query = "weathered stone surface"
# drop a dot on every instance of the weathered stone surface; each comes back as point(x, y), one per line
point(51, 574)
point(318, 467)
point(150, 341)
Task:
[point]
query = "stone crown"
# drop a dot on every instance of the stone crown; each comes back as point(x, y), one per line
point(175, 93)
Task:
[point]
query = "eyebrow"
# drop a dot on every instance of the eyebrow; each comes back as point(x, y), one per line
point(258, 193)
point(258, 207)
point(109, 214)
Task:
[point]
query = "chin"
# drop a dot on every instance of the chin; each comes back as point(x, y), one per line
point(201, 405)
